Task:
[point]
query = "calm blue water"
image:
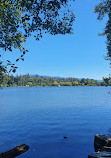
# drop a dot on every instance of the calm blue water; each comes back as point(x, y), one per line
point(41, 116)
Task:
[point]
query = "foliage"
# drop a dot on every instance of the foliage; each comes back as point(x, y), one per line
point(2, 74)
point(103, 9)
point(19, 18)
point(29, 81)
point(107, 81)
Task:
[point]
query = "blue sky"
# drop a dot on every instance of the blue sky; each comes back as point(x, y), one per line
point(78, 55)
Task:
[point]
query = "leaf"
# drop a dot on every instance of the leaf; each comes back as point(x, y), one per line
point(17, 60)
point(14, 70)
point(8, 61)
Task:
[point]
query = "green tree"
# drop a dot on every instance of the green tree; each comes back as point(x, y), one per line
point(83, 80)
point(2, 74)
point(19, 18)
point(29, 84)
point(107, 81)
point(75, 83)
point(103, 83)
point(55, 83)
point(102, 9)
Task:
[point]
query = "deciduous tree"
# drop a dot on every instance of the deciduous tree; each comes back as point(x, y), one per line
point(102, 9)
point(19, 18)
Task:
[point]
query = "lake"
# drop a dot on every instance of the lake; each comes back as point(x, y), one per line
point(41, 116)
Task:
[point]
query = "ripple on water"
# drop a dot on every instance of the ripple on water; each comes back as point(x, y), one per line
point(41, 117)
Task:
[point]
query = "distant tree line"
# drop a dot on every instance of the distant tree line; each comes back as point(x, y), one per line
point(31, 81)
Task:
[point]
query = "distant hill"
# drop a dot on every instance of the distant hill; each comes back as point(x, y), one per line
point(32, 75)
point(58, 77)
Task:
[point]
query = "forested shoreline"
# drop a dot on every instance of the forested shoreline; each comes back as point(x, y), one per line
point(36, 80)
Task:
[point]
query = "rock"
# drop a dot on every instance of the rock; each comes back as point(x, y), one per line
point(100, 155)
point(102, 142)
point(102, 145)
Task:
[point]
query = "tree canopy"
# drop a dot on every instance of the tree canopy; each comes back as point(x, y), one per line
point(36, 80)
point(20, 18)
point(102, 9)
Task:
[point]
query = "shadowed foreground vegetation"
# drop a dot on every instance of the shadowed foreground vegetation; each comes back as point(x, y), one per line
point(31, 81)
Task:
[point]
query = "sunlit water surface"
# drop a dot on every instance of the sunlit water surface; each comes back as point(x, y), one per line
point(41, 116)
